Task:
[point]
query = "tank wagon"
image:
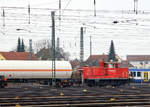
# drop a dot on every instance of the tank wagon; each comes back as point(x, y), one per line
point(15, 70)
point(108, 73)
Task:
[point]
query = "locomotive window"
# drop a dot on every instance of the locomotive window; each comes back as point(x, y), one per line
point(111, 66)
point(105, 64)
point(116, 65)
point(138, 74)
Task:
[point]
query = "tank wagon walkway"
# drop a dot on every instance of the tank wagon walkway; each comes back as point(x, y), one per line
point(31, 95)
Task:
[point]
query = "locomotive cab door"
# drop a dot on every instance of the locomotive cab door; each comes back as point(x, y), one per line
point(146, 77)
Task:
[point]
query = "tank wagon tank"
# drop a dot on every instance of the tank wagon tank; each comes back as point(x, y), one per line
point(108, 73)
point(15, 70)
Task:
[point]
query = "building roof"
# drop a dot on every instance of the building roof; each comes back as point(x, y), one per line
point(98, 58)
point(18, 56)
point(94, 60)
point(138, 58)
point(124, 63)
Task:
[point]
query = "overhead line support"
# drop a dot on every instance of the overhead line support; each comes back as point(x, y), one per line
point(53, 50)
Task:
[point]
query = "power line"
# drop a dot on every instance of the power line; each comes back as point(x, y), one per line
point(70, 24)
point(41, 4)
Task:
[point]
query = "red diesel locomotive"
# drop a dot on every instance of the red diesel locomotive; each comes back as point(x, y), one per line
point(108, 73)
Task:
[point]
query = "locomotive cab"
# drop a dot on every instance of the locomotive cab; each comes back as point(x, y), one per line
point(110, 64)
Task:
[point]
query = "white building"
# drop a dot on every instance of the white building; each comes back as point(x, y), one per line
point(139, 61)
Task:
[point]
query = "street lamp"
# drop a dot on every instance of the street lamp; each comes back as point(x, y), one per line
point(19, 29)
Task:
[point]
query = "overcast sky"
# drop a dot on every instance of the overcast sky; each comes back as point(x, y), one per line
point(130, 35)
point(81, 4)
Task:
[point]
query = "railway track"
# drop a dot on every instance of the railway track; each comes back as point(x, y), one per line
point(76, 101)
point(135, 96)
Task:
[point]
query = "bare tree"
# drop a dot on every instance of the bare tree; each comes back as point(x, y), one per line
point(43, 51)
point(42, 44)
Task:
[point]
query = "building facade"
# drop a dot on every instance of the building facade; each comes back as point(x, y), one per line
point(139, 61)
point(139, 67)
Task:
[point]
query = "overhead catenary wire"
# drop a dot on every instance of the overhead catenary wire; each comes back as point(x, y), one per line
point(40, 28)
point(66, 6)
point(42, 4)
